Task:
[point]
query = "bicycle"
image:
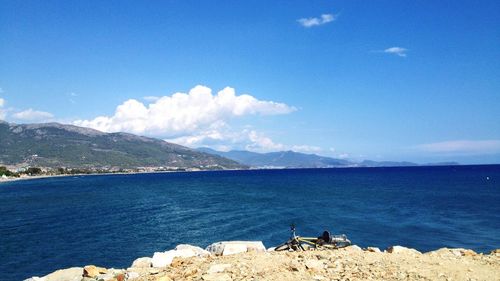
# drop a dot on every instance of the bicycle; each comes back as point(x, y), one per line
point(325, 241)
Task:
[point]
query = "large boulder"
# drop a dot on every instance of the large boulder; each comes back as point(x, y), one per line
point(143, 262)
point(197, 250)
point(452, 253)
point(162, 259)
point(68, 274)
point(92, 271)
point(234, 247)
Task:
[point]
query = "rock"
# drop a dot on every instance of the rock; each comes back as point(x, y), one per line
point(142, 262)
point(271, 249)
point(216, 277)
point(35, 278)
point(92, 271)
point(234, 247)
point(218, 268)
point(176, 262)
point(373, 250)
point(314, 265)
point(68, 274)
point(402, 250)
point(353, 248)
point(162, 259)
point(198, 251)
point(131, 275)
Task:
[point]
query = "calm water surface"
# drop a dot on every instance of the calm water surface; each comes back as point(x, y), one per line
point(55, 223)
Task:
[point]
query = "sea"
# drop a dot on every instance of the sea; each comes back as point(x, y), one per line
point(110, 220)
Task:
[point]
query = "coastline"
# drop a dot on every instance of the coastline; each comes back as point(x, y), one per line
point(352, 263)
point(13, 179)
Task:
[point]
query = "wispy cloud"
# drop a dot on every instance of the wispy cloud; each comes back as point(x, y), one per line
point(151, 98)
point(462, 147)
point(32, 115)
point(316, 21)
point(398, 51)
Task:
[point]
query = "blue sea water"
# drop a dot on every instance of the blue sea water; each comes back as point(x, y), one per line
point(110, 220)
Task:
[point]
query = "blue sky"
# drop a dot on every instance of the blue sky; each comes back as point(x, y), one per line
point(380, 80)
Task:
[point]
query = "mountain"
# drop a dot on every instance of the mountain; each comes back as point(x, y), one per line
point(58, 145)
point(370, 163)
point(291, 159)
point(283, 159)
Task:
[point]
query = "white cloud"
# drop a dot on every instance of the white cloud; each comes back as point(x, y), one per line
point(183, 114)
point(343, 155)
point(259, 142)
point(151, 98)
point(2, 112)
point(73, 94)
point(462, 147)
point(32, 115)
point(396, 51)
point(306, 148)
point(315, 21)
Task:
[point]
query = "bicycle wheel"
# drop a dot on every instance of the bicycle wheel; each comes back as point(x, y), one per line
point(282, 247)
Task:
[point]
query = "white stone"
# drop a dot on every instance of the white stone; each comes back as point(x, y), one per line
point(218, 268)
point(198, 251)
point(402, 250)
point(68, 274)
point(143, 262)
point(35, 278)
point(271, 249)
point(353, 248)
point(234, 247)
point(162, 259)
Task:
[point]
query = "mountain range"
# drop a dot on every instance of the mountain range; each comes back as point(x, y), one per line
point(57, 145)
point(292, 159)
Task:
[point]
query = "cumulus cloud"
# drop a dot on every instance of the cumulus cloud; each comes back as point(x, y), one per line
point(315, 21)
point(32, 115)
point(462, 147)
point(398, 51)
point(183, 113)
point(223, 138)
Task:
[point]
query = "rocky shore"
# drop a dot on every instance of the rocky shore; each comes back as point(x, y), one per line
point(243, 260)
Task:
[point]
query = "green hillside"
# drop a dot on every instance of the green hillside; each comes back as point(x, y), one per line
point(57, 145)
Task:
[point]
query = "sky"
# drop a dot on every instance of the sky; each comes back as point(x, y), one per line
point(379, 80)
